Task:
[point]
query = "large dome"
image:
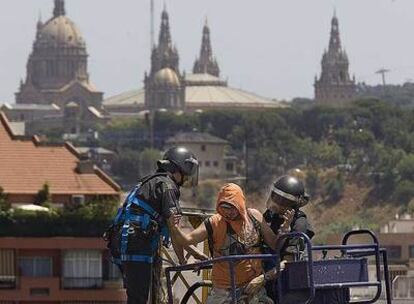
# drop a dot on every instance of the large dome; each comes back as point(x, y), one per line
point(60, 31)
point(166, 77)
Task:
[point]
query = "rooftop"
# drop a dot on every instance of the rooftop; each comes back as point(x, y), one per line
point(31, 106)
point(26, 166)
point(195, 137)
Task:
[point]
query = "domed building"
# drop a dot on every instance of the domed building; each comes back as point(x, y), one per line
point(166, 88)
point(57, 68)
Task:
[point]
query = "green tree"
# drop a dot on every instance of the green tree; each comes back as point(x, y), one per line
point(148, 161)
point(404, 191)
point(406, 167)
point(4, 204)
point(334, 188)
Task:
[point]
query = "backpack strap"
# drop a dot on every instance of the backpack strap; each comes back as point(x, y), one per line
point(257, 225)
point(210, 239)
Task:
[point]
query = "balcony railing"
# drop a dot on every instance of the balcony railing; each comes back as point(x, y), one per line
point(82, 283)
point(7, 282)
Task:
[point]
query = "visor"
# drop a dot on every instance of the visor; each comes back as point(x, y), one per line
point(190, 172)
point(297, 201)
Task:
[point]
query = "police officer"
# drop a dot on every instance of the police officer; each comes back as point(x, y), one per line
point(287, 193)
point(148, 212)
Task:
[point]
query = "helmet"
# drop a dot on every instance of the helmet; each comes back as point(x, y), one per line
point(292, 190)
point(182, 160)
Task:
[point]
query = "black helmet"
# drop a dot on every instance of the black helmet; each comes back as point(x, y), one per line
point(180, 159)
point(292, 190)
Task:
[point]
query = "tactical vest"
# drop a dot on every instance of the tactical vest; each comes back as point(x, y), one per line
point(135, 232)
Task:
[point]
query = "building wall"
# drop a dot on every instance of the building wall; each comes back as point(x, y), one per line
point(51, 288)
point(28, 115)
point(210, 158)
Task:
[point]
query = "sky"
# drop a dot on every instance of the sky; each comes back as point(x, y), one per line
point(270, 47)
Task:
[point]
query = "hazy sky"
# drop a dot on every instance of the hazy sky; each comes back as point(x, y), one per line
point(270, 47)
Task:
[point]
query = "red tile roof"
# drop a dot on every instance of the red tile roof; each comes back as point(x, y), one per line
point(26, 165)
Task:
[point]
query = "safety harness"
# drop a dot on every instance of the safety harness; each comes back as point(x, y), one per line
point(149, 222)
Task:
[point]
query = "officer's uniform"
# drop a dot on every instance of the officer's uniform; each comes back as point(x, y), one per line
point(299, 223)
point(160, 193)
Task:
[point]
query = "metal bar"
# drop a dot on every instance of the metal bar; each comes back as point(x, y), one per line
point(169, 286)
point(279, 246)
point(193, 288)
point(386, 275)
point(356, 284)
point(362, 231)
point(207, 264)
point(348, 247)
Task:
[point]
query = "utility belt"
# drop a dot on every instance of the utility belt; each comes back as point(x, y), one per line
point(136, 231)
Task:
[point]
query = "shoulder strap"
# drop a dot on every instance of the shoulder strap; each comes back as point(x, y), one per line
point(210, 239)
point(257, 225)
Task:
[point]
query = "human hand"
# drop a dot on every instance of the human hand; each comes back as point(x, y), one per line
point(287, 220)
point(176, 219)
point(255, 285)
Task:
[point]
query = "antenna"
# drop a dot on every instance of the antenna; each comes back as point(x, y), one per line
point(383, 71)
point(152, 24)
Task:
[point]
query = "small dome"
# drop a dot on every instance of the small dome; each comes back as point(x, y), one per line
point(166, 77)
point(60, 31)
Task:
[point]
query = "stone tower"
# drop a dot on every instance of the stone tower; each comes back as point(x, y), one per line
point(334, 85)
point(164, 86)
point(206, 63)
point(57, 68)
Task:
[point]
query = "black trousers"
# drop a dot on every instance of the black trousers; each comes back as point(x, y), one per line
point(137, 276)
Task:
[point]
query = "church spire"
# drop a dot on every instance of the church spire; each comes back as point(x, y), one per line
point(334, 84)
point(59, 9)
point(335, 40)
point(206, 62)
point(164, 39)
point(165, 54)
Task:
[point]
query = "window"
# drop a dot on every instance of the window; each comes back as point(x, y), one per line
point(82, 269)
point(203, 148)
point(411, 251)
point(78, 200)
point(215, 163)
point(200, 163)
point(207, 163)
point(394, 252)
point(7, 269)
point(35, 266)
point(230, 167)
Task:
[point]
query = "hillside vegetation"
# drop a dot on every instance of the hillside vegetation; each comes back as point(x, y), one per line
point(358, 159)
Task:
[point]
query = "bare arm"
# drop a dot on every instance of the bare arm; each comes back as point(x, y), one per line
point(193, 238)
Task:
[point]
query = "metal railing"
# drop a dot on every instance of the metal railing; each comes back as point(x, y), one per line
point(8, 282)
point(403, 288)
point(358, 251)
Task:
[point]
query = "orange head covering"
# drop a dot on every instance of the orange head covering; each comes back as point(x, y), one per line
point(233, 194)
point(245, 270)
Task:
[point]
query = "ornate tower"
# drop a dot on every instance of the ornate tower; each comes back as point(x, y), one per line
point(57, 68)
point(334, 84)
point(164, 86)
point(206, 63)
